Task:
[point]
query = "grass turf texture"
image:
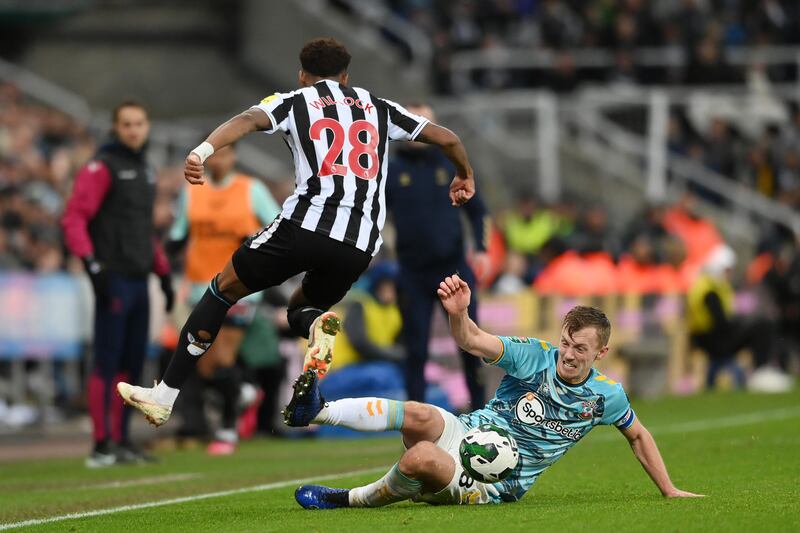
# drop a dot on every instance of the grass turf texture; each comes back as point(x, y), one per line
point(748, 467)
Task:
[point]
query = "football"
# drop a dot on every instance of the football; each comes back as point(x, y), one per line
point(488, 453)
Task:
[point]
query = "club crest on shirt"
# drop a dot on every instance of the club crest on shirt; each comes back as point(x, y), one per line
point(592, 408)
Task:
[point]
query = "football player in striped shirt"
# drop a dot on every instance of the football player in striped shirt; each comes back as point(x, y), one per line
point(328, 229)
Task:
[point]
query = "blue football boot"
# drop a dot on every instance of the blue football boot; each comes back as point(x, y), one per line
point(319, 497)
point(306, 402)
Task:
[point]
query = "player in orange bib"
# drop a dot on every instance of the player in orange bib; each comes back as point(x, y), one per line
point(213, 221)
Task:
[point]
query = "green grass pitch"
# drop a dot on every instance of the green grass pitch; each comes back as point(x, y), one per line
point(742, 450)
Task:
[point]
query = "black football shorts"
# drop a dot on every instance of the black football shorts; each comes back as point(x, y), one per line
point(284, 249)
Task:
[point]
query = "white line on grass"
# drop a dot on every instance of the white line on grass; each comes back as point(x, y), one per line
point(730, 421)
point(685, 427)
point(186, 499)
point(144, 481)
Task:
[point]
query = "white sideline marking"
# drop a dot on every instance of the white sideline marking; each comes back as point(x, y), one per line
point(153, 480)
point(685, 427)
point(185, 499)
point(730, 421)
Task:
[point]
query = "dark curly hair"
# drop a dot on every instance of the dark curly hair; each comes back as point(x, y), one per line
point(324, 57)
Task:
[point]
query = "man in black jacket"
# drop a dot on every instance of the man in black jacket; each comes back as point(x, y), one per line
point(108, 223)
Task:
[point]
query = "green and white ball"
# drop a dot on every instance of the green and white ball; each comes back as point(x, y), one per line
point(488, 453)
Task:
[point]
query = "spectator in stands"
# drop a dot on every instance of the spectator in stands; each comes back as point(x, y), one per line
point(372, 321)
point(720, 153)
point(625, 70)
point(108, 223)
point(560, 27)
point(789, 179)
point(512, 278)
point(717, 330)
point(707, 65)
point(416, 194)
point(370, 353)
point(529, 225)
point(563, 77)
point(640, 272)
point(536, 232)
point(593, 234)
point(783, 284)
point(759, 171)
point(699, 27)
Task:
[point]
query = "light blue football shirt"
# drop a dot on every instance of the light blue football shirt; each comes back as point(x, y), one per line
point(546, 416)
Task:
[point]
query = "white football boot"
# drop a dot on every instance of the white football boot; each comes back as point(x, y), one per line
point(142, 399)
point(319, 354)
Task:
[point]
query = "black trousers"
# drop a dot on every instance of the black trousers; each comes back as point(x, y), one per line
point(418, 299)
point(758, 335)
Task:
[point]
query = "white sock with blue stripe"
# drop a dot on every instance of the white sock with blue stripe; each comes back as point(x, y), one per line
point(362, 414)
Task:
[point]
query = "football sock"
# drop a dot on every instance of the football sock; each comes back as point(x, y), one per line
point(362, 414)
point(98, 397)
point(391, 488)
point(301, 318)
point(164, 394)
point(198, 333)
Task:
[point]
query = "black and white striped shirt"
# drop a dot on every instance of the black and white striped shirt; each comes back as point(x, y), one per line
point(338, 136)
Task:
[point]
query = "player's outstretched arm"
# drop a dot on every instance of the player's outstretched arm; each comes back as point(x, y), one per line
point(645, 449)
point(463, 186)
point(227, 133)
point(455, 294)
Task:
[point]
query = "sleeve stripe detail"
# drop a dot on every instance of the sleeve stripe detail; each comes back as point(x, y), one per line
point(626, 420)
point(273, 123)
point(282, 111)
point(403, 121)
point(419, 129)
point(499, 357)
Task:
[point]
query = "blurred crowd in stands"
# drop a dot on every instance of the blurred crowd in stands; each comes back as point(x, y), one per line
point(699, 29)
point(766, 158)
point(40, 151)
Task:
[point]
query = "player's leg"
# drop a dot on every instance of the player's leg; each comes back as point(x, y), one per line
point(416, 421)
point(196, 337)
point(427, 471)
point(311, 319)
point(416, 306)
point(265, 260)
point(331, 269)
point(423, 468)
point(204, 323)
